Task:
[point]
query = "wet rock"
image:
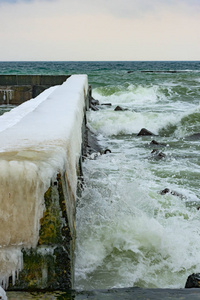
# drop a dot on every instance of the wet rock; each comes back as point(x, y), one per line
point(156, 154)
point(130, 72)
point(118, 108)
point(107, 151)
point(93, 107)
point(93, 104)
point(166, 190)
point(94, 101)
point(144, 132)
point(157, 71)
point(153, 142)
point(92, 145)
point(95, 155)
point(193, 137)
point(106, 104)
point(193, 281)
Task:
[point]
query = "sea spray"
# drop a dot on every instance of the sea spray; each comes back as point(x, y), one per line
point(129, 233)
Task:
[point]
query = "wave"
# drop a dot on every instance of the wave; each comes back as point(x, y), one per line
point(162, 109)
point(163, 121)
point(136, 234)
point(130, 94)
point(186, 126)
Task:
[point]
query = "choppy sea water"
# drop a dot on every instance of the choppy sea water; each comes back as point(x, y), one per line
point(128, 233)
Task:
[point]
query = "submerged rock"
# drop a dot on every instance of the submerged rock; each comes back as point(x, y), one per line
point(153, 142)
point(156, 154)
point(106, 104)
point(193, 281)
point(93, 103)
point(193, 137)
point(144, 132)
point(93, 107)
point(107, 151)
point(91, 144)
point(94, 155)
point(166, 191)
point(118, 108)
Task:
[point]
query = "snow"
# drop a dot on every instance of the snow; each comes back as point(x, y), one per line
point(37, 140)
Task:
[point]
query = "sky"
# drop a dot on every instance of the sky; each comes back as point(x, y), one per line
point(99, 30)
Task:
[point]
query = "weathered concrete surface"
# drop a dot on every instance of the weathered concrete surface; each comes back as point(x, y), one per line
point(140, 294)
point(114, 294)
point(16, 89)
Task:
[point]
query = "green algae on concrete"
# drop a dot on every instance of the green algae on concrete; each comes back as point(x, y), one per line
point(50, 265)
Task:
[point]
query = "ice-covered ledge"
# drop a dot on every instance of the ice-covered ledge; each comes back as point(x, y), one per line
point(40, 148)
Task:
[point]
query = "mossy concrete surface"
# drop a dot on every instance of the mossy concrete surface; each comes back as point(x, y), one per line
point(50, 265)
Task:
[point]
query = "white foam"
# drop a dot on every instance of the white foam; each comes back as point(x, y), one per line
point(134, 236)
point(133, 95)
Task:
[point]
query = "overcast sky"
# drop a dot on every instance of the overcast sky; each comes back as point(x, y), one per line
point(99, 30)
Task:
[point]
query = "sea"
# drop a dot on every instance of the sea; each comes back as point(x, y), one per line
point(138, 217)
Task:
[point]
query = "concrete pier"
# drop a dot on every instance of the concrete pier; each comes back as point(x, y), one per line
point(15, 89)
point(40, 151)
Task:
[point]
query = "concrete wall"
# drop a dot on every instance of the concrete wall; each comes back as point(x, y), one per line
point(16, 89)
point(38, 207)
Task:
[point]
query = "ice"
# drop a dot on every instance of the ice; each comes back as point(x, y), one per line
point(3, 294)
point(38, 139)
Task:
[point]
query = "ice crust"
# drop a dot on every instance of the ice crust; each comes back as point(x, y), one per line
point(37, 140)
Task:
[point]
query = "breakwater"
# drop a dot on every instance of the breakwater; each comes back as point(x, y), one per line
point(15, 89)
point(40, 151)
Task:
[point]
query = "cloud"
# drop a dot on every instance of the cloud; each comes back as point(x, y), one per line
point(13, 1)
point(19, 1)
point(117, 8)
point(99, 29)
point(139, 8)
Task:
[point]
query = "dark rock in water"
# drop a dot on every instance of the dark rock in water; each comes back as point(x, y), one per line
point(107, 104)
point(130, 72)
point(166, 190)
point(93, 107)
point(118, 108)
point(90, 143)
point(144, 132)
point(158, 154)
point(94, 102)
point(193, 137)
point(153, 142)
point(107, 151)
point(160, 71)
point(193, 281)
point(94, 155)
